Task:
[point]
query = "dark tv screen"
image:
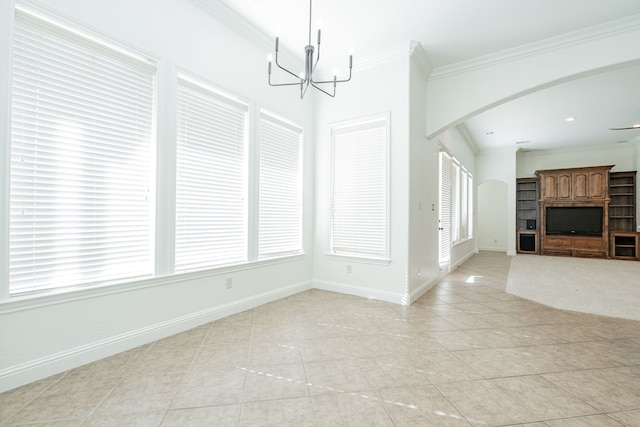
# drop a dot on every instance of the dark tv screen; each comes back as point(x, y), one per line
point(586, 221)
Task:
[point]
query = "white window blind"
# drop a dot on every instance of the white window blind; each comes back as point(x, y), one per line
point(446, 167)
point(81, 159)
point(359, 190)
point(211, 181)
point(455, 201)
point(470, 206)
point(280, 208)
point(464, 204)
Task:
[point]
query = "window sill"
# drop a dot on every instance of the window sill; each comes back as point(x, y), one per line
point(26, 301)
point(361, 259)
point(460, 242)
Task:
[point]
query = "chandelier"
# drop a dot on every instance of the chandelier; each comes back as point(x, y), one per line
point(306, 79)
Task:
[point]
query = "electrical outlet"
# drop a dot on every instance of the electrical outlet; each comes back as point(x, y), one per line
point(348, 268)
point(229, 283)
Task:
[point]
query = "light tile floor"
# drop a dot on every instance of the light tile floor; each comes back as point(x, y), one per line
point(465, 354)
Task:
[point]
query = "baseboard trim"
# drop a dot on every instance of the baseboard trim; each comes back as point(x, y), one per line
point(492, 249)
point(464, 259)
point(402, 299)
point(57, 363)
point(423, 289)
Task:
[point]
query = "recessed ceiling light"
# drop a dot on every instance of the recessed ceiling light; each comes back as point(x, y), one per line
point(571, 119)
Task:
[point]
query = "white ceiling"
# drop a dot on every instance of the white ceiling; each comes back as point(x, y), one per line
point(451, 31)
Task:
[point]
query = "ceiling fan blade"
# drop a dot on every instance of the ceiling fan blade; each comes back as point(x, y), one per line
point(626, 128)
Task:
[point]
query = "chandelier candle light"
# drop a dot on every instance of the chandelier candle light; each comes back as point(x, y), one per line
point(309, 67)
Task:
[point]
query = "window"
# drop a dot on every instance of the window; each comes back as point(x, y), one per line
point(446, 166)
point(465, 202)
point(456, 204)
point(81, 159)
point(280, 192)
point(211, 178)
point(470, 205)
point(359, 189)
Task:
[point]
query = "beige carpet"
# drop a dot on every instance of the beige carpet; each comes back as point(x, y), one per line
point(597, 286)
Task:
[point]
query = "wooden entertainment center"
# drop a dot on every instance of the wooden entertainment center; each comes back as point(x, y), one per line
point(604, 202)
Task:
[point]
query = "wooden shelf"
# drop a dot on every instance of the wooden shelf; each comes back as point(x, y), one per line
point(527, 219)
point(622, 215)
point(622, 207)
point(624, 246)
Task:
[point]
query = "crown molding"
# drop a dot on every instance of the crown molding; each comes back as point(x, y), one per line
point(418, 54)
point(238, 23)
point(235, 21)
point(619, 26)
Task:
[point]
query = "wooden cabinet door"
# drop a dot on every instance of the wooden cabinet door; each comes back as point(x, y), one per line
point(564, 187)
point(549, 187)
point(575, 184)
point(598, 185)
point(581, 185)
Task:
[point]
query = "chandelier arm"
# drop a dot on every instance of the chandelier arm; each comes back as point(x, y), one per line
point(333, 81)
point(283, 84)
point(323, 82)
point(317, 55)
point(316, 64)
point(324, 91)
point(303, 89)
point(284, 69)
point(280, 84)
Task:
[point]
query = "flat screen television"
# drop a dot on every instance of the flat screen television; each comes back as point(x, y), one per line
point(574, 220)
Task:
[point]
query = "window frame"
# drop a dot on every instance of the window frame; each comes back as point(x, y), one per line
point(461, 199)
point(276, 120)
point(344, 127)
point(223, 99)
point(74, 38)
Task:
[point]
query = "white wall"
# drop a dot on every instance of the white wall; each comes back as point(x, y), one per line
point(424, 269)
point(619, 155)
point(463, 90)
point(491, 234)
point(43, 335)
point(500, 165)
point(383, 89)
